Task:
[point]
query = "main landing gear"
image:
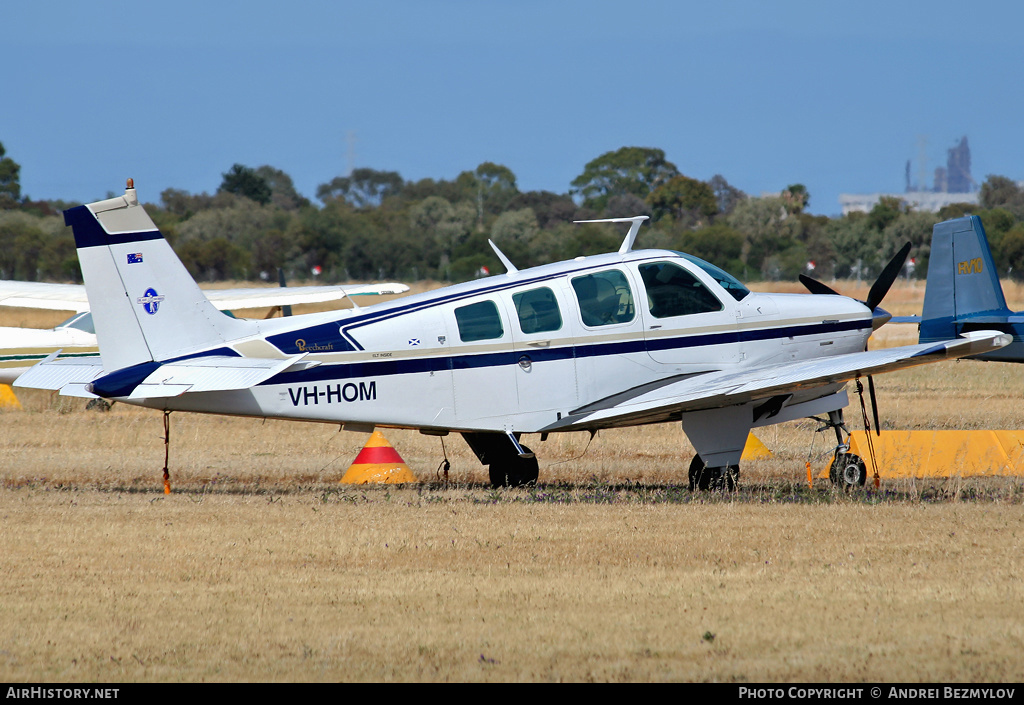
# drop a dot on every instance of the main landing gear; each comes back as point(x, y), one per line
point(509, 463)
point(705, 478)
point(514, 471)
point(847, 470)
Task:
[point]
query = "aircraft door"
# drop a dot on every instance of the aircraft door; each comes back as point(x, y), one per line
point(542, 339)
point(686, 324)
point(482, 363)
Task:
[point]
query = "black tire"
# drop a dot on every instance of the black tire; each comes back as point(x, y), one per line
point(704, 478)
point(697, 475)
point(514, 471)
point(731, 477)
point(848, 471)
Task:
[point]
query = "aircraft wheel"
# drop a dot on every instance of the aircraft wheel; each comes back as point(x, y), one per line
point(730, 478)
point(514, 471)
point(848, 470)
point(697, 478)
point(704, 478)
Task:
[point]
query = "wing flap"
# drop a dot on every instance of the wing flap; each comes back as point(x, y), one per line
point(727, 388)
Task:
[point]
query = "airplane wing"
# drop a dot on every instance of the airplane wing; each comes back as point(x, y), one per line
point(231, 299)
point(71, 297)
point(52, 297)
point(664, 401)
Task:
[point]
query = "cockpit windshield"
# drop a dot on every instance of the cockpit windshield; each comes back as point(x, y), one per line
point(728, 281)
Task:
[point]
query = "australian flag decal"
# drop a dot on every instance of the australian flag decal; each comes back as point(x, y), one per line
point(135, 258)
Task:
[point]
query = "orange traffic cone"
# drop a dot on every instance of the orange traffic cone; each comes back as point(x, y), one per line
point(7, 398)
point(378, 462)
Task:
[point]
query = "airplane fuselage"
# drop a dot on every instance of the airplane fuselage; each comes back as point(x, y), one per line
point(517, 353)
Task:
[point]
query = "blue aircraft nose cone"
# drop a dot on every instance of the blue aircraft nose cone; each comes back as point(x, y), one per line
point(879, 317)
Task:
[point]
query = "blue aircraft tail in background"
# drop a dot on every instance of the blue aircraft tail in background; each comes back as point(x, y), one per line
point(963, 292)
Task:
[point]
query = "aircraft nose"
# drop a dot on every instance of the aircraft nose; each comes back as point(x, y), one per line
point(879, 317)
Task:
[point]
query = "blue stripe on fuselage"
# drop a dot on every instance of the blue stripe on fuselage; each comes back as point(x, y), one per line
point(440, 363)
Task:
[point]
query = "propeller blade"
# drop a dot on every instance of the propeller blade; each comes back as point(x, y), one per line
point(885, 280)
point(874, 404)
point(816, 287)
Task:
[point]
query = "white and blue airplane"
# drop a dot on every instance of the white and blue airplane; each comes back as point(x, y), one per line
point(627, 338)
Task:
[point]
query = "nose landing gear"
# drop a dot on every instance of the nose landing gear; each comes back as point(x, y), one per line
point(848, 469)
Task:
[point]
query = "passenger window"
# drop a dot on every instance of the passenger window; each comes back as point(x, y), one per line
point(537, 310)
point(479, 321)
point(673, 291)
point(605, 298)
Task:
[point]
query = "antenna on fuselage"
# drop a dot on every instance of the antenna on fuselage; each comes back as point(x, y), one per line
point(510, 268)
point(349, 297)
point(627, 242)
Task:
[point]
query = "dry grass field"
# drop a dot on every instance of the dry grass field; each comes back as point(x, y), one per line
point(261, 567)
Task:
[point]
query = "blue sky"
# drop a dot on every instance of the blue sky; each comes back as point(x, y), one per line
point(832, 94)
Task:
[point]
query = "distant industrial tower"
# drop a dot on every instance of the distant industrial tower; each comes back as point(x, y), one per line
point(958, 169)
point(952, 184)
point(955, 177)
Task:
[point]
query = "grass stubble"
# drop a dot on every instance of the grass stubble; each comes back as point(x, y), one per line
point(261, 567)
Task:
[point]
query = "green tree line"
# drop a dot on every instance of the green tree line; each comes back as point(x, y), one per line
point(374, 224)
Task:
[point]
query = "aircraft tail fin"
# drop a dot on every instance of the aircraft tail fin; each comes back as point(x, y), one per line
point(962, 279)
point(145, 305)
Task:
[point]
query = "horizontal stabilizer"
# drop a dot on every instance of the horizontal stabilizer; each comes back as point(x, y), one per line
point(52, 373)
point(215, 373)
point(77, 389)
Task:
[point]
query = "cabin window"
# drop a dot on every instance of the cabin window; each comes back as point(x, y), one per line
point(673, 291)
point(479, 321)
point(537, 310)
point(605, 298)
